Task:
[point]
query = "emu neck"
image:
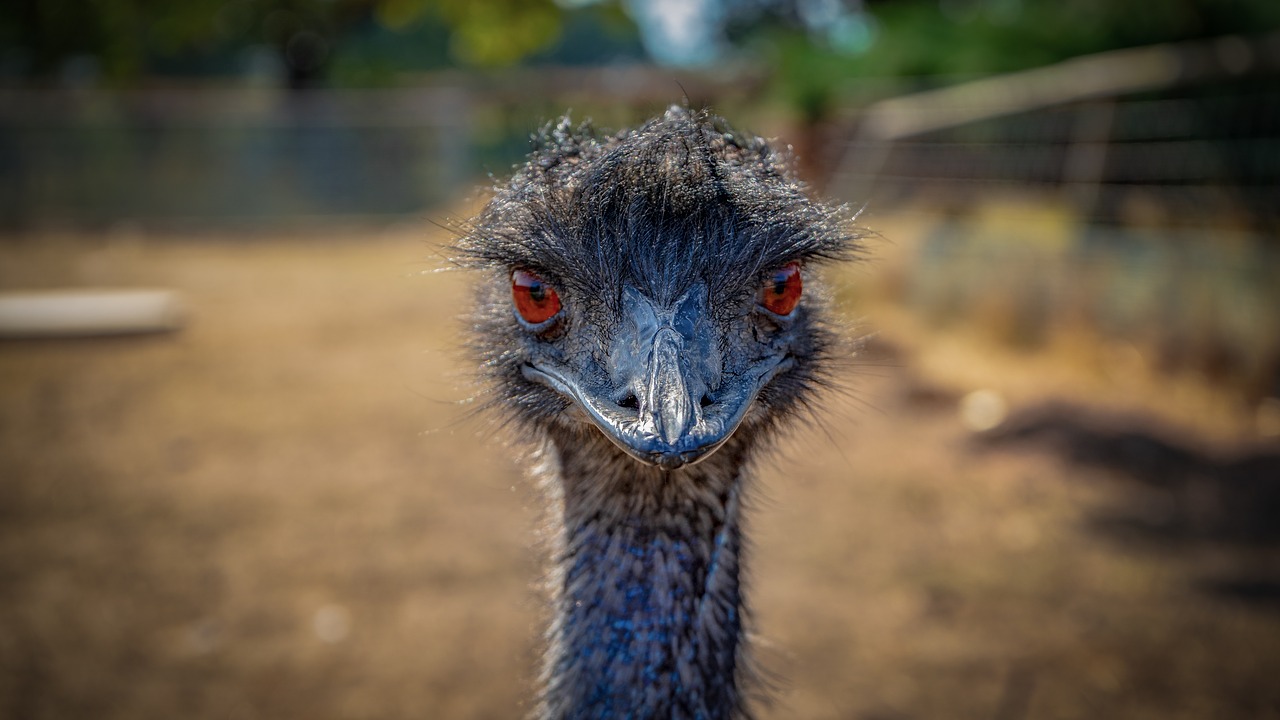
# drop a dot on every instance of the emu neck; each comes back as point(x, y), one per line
point(648, 609)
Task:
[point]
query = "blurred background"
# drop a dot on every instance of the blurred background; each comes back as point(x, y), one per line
point(239, 477)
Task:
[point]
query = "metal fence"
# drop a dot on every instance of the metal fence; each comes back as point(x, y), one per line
point(200, 155)
point(226, 156)
point(1204, 156)
point(1142, 204)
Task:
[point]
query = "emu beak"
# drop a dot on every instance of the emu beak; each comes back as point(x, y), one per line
point(666, 408)
point(667, 402)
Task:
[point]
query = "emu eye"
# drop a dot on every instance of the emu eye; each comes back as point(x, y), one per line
point(535, 300)
point(781, 291)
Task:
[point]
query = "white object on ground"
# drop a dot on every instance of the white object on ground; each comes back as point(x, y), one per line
point(74, 313)
point(982, 410)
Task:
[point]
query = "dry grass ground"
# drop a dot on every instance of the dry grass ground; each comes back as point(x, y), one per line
point(281, 512)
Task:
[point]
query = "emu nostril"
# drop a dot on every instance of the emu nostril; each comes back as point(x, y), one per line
point(630, 402)
point(705, 401)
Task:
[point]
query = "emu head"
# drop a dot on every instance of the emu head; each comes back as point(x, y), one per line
point(652, 287)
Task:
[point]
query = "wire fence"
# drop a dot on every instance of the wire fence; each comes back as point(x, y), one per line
point(1151, 218)
point(200, 155)
point(222, 156)
point(1203, 158)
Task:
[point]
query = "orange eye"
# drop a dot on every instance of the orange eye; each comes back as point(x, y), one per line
point(781, 291)
point(536, 301)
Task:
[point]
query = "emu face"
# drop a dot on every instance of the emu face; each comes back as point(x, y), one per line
point(667, 380)
point(650, 285)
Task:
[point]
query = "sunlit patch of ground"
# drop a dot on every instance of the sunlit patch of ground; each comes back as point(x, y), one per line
point(281, 511)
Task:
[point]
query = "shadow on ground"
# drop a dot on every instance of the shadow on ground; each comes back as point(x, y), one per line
point(1178, 494)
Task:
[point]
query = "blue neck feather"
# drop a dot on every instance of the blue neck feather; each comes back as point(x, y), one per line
point(649, 617)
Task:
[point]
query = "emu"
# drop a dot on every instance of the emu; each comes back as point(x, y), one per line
point(645, 317)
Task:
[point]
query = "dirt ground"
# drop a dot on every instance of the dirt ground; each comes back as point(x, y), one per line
point(284, 511)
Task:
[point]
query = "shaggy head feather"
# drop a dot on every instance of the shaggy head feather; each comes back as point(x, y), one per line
point(680, 201)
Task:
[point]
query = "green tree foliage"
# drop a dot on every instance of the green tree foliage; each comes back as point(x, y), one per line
point(125, 40)
point(118, 36)
point(972, 37)
point(367, 41)
point(490, 33)
point(961, 39)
